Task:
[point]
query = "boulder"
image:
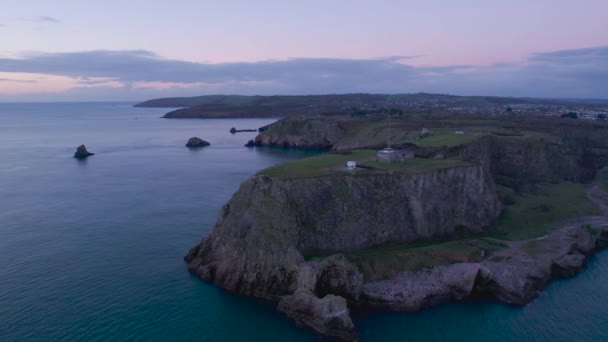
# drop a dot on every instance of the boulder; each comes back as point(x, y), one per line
point(338, 276)
point(251, 143)
point(196, 142)
point(82, 153)
point(328, 315)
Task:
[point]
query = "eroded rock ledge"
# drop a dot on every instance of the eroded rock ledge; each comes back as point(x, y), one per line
point(516, 279)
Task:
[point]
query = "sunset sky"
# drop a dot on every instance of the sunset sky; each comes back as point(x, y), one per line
point(132, 50)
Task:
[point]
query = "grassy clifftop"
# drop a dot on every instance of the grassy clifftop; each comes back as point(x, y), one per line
point(332, 163)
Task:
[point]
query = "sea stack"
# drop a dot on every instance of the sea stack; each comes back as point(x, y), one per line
point(196, 142)
point(82, 153)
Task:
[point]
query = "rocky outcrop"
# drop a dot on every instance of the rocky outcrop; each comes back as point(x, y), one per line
point(328, 315)
point(258, 244)
point(529, 265)
point(300, 132)
point(515, 275)
point(82, 153)
point(413, 291)
point(196, 142)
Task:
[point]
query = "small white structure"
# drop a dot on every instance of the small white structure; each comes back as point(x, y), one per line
point(425, 132)
point(459, 132)
point(351, 164)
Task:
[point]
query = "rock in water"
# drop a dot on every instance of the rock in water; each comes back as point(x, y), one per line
point(234, 130)
point(82, 153)
point(196, 142)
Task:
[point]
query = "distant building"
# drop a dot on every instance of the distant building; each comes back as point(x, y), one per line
point(351, 164)
point(459, 132)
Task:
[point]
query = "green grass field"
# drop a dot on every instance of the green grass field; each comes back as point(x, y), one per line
point(417, 165)
point(383, 263)
point(534, 215)
point(602, 179)
point(325, 164)
point(319, 165)
point(444, 139)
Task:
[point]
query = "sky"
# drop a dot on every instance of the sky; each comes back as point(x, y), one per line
point(73, 50)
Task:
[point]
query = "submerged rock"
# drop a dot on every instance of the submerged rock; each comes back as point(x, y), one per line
point(251, 143)
point(82, 153)
point(197, 142)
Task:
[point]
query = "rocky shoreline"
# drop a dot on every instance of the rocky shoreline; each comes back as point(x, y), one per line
point(327, 291)
point(259, 243)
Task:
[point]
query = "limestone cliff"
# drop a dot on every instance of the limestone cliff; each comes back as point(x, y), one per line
point(258, 245)
point(315, 133)
point(516, 159)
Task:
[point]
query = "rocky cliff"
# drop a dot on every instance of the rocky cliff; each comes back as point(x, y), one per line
point(516, 160)
point(512, 160)
point(259, 243)
point(316, 133)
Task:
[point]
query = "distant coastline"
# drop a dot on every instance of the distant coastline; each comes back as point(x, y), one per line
point(241, 106)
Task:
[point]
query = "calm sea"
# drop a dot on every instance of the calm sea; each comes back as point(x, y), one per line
point(92, 250)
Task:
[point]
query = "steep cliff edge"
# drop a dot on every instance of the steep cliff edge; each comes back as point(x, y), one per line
point(315, 133)
point(259, 243)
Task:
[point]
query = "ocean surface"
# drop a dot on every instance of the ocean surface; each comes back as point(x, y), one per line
point(92, 250)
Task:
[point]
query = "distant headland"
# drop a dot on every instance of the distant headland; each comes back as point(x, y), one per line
point(277, 106)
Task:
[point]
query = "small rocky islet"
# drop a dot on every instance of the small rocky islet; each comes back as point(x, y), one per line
point(445, 225)
point(82, 152)
point(196, 142)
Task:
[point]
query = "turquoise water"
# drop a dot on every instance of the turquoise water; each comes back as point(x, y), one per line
point(92, 250)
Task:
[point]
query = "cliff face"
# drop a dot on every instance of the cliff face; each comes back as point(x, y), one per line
point(314, 133)
point(258, 244)
point(526, 159)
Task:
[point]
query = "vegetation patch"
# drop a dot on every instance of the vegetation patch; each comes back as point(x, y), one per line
point(382, 263)
point(535, 214)
point(331, 163)
point(602, 179)
point(319, 165)
point(418, 165)
point(540, 245)
point(444, 139)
